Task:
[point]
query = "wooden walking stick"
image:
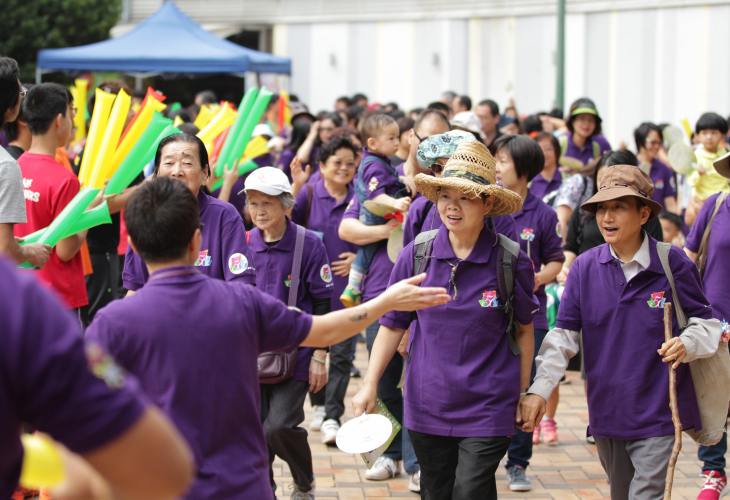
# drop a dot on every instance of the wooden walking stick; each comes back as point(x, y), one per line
point(668, 334)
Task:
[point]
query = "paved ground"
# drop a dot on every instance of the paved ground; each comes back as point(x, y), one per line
point(565, 472)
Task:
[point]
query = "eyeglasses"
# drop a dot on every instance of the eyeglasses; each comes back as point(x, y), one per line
point(437, 168)
point(418, 137)
point(654, 143)
point(23, 91)
point(326, 129)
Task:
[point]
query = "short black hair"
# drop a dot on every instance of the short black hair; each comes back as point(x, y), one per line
point(439, 106)
point(207, 97)
point(11, 128)
point(526, 154)
point(162, 217)
point(531, 124)
point(344, 99)
point(358, 97)
point(433, 113)
point(110, 86)
point(373, 124)
point(405, 124)
point(337, 142)
point(9, 90)
point(556, 113)
point(42, 105)
point(711, 121)
point(189, 128)
point(183, 114)
point(673, 218)
point(393, 105)
point(643, 131)
point(336, 119)
point(355, 112)
point(554, 141)
point(396, 114)
point(465, 101)
point(493, 106)
point(182, 137)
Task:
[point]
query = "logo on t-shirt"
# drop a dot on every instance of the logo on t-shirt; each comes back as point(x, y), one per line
point(325, 273)
point(725, 331)
point(657, 300)
point(373, 185)
point(103, 366)
point(528, 234)
point(237, 263)
point(203, 259)
point(349, 205)
point(489, 299)
point(559, 230)
point(287, 281)
point(28, 193)
point(659, 184)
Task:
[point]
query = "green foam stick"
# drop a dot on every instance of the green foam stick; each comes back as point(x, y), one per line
point(243, 168)
point(244, 108)
point(61, 224)
point(91, 218)
point(253, 118)
point(132, 165)
point(150, 154)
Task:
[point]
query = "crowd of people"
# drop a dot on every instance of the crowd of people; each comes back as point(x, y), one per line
point(481, 253)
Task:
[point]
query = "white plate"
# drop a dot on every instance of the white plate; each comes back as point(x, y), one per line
point(364, 434)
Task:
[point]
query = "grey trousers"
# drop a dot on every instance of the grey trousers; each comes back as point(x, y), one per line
point(337, 380)
point(282, 411)
point(636, 469)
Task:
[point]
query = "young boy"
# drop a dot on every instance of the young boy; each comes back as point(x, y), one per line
point(378, 181)
point(705, 181)
point(671, 227)
point(49, 187)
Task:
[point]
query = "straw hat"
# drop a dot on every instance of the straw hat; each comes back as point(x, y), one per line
point(624, 180)
point(471, 170)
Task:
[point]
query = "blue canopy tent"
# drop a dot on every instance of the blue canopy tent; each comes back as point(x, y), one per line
point(166, 42)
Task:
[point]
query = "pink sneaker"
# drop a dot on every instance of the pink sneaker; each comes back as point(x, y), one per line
point(550, 432)
point(715, 486)
point(536, 435)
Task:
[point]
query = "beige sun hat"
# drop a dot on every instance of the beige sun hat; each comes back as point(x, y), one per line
point(471, 170)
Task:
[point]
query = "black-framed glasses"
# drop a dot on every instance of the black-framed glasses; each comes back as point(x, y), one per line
point(418, 137)
point(23, 92)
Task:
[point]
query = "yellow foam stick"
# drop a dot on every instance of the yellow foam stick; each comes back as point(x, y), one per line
point(138, 127)
point(97, 127)
point(255, 148)
point(177, 122)
point(225, 117)
point(687, 128)
point(80, 105)
point(204, 117)
point(42, 464)
point(103, 169)
point(287, 111)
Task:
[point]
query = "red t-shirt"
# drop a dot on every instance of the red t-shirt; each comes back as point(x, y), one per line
point(48, 188)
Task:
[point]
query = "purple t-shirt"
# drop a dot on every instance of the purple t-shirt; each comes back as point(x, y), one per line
point(623, 326)
point(193, 343)
point(273, 275)
point(45, 378)
point(224, 253)
point(715, 280)
point(539, 230)
point(284, 162)
point(462, 379)
point(378, 179)
point(586, 154)
point(664, 183)
point(541, 187)
point(324, 220)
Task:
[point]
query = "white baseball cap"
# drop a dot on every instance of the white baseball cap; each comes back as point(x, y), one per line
point(470, 121)
point(268, 180)
point(263, 129)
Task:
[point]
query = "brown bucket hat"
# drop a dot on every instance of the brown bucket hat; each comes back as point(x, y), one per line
point(624, 180)
point(722, 165)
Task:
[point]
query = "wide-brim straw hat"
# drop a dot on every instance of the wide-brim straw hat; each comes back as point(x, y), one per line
point(472, 171)
point(619, 181)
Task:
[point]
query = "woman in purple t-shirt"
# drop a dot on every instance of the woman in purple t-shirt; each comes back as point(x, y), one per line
point(648, 144)
point(319, 133)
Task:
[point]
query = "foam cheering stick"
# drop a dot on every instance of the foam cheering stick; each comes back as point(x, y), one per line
point(136, 128)
point(287, 110)
point(99, 119)
point(256, 147)
point(225, 118)
point(249, 99)
point(151, 94)
point(62, 224)
point(150, 154)
point(42, 463)
point(204, 117)
point(178, 121)
point(243, 168)
point(262, 101)
point(80, 103)
point(218, 144)
point(91, 218)
point(133, 163)
point(104, 167)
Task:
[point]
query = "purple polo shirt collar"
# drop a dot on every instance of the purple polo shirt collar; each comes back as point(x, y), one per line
point(366, 153)
point(529, 203)
point(286, 243)
point(541, 186)
point(479, 254)
point(588, 146)
point(605, 256)
point(320, 191)
point(174, 274)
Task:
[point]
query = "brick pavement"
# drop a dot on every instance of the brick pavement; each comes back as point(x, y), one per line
point(567, 472)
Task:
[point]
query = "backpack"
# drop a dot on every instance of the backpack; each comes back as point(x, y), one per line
point(710, 376)
point(702, 251)
point(506, 264)
point(563, 141)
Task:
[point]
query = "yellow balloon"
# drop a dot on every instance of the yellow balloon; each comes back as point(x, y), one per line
point(99, 119)
point(80, 104)
point(204, 117)
point(138, 127)
point(103, 169)
point(42, 464)
point(225, 117)
point(256, 147)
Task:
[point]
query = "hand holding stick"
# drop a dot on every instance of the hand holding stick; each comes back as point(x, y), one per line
point(673, 405)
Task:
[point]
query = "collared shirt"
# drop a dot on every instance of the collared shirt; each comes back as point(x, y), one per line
point(193, 342)
point(462, 379)
point(586, 154)
point(622, 323)
point(542, 187)
point(377, 176)
point(224, 253)
point(638, 263)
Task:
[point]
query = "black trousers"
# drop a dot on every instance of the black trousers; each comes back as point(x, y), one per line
point(101, 285)
point(332, 395)
point(454, 468)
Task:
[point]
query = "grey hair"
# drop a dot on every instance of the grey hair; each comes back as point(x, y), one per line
point(287, 200)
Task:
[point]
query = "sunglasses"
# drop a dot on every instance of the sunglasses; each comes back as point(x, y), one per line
point(437, 168)
point(23, 92)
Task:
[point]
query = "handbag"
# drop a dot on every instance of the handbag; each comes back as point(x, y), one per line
point(275, 367)
point(711, 376)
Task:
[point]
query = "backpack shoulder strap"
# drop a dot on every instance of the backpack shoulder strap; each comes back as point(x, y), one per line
point(421, 249)
point(563, 141)
point(702, 252)
point(308, 210)
point(663, 251)
point(296, 266)
point(596, 149)
point(506, 263)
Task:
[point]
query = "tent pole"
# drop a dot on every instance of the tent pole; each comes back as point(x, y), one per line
point(38, 73)
point(137, 82)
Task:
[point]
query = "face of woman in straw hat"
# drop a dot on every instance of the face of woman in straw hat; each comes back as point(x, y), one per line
point(462, 214)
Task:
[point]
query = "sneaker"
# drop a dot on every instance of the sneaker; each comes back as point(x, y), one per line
point(415, 484)
point(329, 431)
point(550, 432)
point(351, 297)
point(590, 440)
point(715, 486)
point(536, 435)
point(297, 494)
point(383, 468)
point(318, 418)
point(517, 479)
point(354, 373)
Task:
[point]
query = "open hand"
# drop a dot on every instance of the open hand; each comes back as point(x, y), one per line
point(407, 295)
point(299, 175)
point(230, 175)
point(342, 267)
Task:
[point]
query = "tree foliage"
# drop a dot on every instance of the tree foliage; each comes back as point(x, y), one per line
point(26, 26)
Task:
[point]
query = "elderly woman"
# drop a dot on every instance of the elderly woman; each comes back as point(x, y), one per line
point(224, 253)
point(615, 294)
point(464, 379)
point(274, 241)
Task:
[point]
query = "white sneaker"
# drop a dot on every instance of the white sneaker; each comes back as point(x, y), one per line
point(329, 431)
point(318, 418)
point(415, 485)
point(383, 468)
